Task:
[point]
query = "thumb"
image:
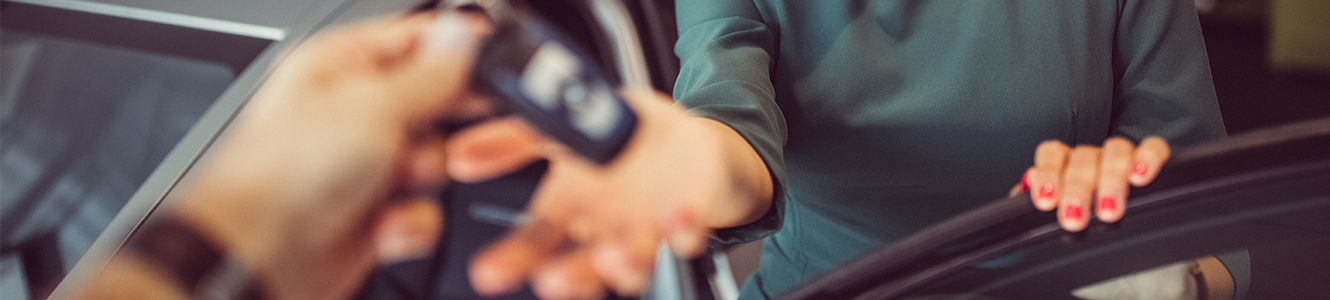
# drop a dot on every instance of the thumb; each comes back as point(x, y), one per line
point(437, 73)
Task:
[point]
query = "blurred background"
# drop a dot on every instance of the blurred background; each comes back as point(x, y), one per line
point(1270, 60)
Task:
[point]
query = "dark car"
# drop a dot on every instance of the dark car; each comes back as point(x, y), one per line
point(1259, 201)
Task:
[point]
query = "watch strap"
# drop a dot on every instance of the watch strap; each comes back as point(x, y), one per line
point(195, 262)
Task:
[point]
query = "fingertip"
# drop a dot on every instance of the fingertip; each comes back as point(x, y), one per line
point(550, 285)
point(1137, 181)
point(490, 279)
point(614, 264)
point(1110, 208)
point(1025, 179)
point(408, 230)
point(502, 266)
point(563, 280)
point(687, 243)
point(1151, 155)
point(492, 149)
point(1051, 159)
point(1142, 173)
point(1072, 217)
point(686, 237)
point(466, 171)
point(1045, 198)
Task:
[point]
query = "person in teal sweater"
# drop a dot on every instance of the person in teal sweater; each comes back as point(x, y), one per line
point(850, 124)
point(893, 115)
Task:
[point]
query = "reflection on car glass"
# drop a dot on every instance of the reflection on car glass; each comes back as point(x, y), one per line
point(1003, 261)
point(1204, 278)
point(955, 297)
point(83, 125)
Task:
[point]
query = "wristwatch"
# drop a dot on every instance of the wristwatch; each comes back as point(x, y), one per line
point(194, 261)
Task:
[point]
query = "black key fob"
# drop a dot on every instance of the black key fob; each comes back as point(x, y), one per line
point(541, 75)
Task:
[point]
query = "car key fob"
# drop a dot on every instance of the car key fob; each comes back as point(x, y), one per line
point(529, 68)
point(539, 74)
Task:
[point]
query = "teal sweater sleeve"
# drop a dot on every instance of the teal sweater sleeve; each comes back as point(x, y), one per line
point(1164, 86)
point(726, 50)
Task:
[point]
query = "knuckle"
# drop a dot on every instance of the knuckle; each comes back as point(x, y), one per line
point(1150, 155)
point(1085, 156)
point(1116, 166)
point(1086, 149)
point(1080, 177)
point(1117, 144)
point(1051, 154)
point(1116, 163)
point(1051, 145)
point(1156, 145)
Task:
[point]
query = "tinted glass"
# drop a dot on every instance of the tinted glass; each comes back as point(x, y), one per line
point(89, 106)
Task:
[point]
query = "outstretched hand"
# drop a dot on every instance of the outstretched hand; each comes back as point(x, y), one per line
point(1075, 180)
point(593, 226)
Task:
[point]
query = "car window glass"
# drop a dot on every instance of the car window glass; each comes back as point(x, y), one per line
point(87, 112)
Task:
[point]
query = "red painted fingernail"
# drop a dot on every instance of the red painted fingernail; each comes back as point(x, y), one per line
point(1025, 181)
point(1046, 192)
point(1073, 212)
point(1108, 203)
point(1140, 169)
